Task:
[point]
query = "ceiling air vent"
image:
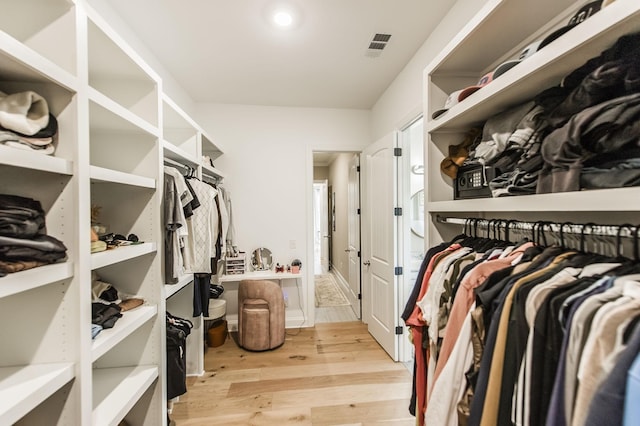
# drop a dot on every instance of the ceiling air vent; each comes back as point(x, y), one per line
point(377, 44)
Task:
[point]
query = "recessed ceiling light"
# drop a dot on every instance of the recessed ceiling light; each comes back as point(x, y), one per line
point(283, 18)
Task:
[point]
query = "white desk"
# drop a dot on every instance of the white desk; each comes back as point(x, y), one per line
point(259, 275)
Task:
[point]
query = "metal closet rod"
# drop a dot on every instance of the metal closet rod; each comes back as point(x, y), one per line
point(623, 231)
point(210, 177)
point(175, 163)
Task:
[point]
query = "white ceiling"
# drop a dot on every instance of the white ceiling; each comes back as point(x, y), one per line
point(226, 51)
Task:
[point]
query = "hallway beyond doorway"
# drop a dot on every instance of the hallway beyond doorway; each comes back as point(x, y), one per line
point(326, 314)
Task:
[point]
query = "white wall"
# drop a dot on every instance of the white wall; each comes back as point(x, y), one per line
point(402, 101)
point(339, 181)
point(268, 158)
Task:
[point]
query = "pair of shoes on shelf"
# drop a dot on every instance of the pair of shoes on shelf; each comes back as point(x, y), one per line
point(215, 291)
point(128, 304)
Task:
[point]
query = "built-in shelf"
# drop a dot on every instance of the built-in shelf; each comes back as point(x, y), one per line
point(111, 115)
point(177, 154)
point(120, 254)
point(603, 200)
point(33, 278)
point(116, 391)
point(127, 324)
point(28, 160)
point(24, 388)
point(183, 281)
point(212, 172)
point(544, 69)
point(101, 174)
point(25, 68)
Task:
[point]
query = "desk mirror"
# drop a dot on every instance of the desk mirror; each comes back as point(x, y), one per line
point(417, 213)
point(261, 259)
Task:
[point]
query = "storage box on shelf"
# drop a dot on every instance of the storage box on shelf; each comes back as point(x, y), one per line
point(235, 265)
point(479, 49)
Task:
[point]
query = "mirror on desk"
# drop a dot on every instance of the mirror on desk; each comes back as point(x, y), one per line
point(261, 259)
point(417, 213)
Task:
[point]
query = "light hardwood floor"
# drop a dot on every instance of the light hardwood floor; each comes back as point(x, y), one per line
point(331, 374)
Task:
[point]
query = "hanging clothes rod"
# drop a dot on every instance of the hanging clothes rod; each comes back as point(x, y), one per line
point(175, 163)
point(619, 231)
point(208, 176)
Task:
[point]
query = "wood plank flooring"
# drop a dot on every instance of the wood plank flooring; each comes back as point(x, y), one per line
point(331, 374)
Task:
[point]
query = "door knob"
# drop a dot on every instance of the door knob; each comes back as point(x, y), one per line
point(366, 263)
point(347, 250)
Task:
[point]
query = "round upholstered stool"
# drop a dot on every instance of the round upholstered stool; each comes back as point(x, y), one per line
point(260, 315)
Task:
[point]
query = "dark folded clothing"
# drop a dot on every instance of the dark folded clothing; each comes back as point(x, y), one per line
point(42, 248)
point(21, 217)
point(105, 315)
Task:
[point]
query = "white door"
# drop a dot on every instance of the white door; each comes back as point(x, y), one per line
point(379, 242)
point(353, 195)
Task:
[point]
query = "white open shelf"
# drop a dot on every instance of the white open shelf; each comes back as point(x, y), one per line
point(28, 160)
point(30, 61)
point(618, 199)
point(116, 391)
point(120, 254)
point(127, 324)
point(544, 69)
point(212, 172)
point(183, 281)
point(111, 115)
point(101, 174)
point(24, 388)
point(177, 154)
point(33, 278)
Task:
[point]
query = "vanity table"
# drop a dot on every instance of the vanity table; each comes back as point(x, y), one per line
point(259, 275)
point(262, 264)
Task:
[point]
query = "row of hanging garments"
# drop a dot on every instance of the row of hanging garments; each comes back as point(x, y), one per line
point(526, 333)
point(199, 226)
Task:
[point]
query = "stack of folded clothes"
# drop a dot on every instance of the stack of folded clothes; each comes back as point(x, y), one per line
point(26, 123)
point(24, 243)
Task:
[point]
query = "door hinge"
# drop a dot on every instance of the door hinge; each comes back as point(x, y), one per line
point(399, 330)
point(359, 296)
point(398, 270)
point(397, 152)
point(358, 253)
point(397, 211)
point(357, 168)
point(358, 211)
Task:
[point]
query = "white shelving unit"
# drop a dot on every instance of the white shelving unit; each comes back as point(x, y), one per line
point(185, 142)
point(115, 126)
point(479, 49)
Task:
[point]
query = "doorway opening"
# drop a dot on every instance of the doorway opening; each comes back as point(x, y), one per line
point(336, 284)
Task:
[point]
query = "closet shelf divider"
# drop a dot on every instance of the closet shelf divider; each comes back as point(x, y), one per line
point(24, 388)
point(27, 160)
point(120, 254)
point(183, 281)
point(30, 60)
point(101, 174)
point(112, 106)
point(117, 390)
point(130, 322)
point(33, 278)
